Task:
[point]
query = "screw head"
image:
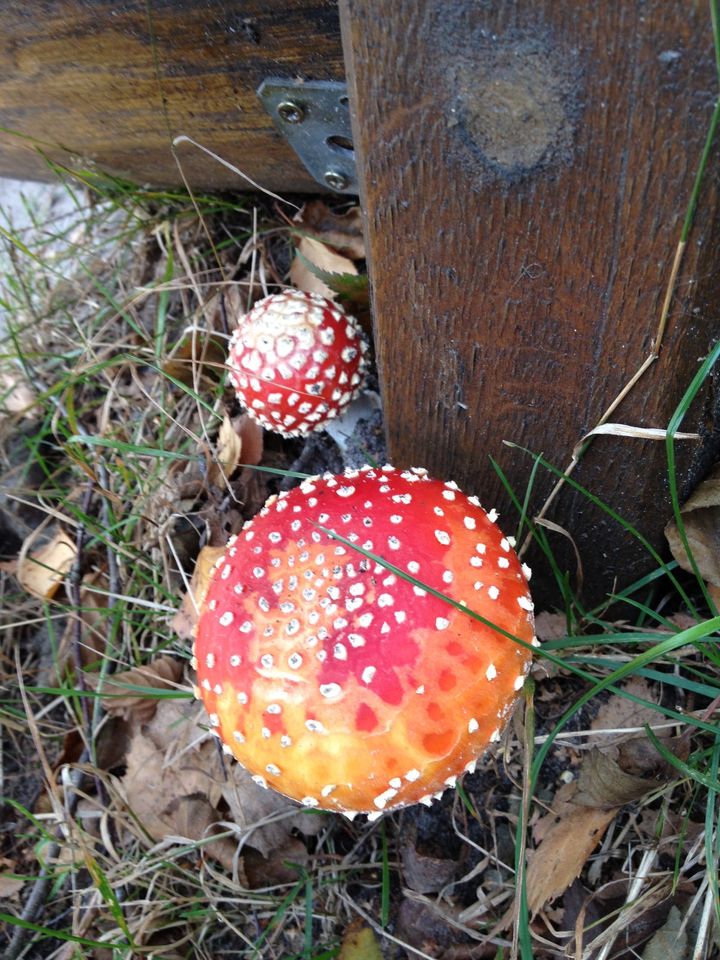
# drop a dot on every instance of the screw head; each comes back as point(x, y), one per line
point(291, 111)
point(336, 179)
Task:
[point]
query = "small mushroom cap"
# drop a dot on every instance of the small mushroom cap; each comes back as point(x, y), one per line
point(296, 360)
point(340, 683)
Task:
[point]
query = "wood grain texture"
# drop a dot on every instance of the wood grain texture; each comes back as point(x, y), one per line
point(526, 169)
point(110, 84)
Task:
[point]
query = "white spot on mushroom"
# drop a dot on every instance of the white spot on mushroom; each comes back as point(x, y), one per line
point(412, 775)
point(473, 725)
point(382, 799)
point(493, 515)
point(443, 537)
point(448, 576)
point(526, 603)
point(385, 600)
point(273, 769)
point(368, 675)
point(396, 783)
point(328, 789)
point(314, 726)
point(285, 741)
point(421, 689)
point(519, 682)
point(413, 566)
point(267, 661)
point(441, 623)
point(235, 660)
point(309, 801)
point(494, 736)
point(491, 672)
point(330, 690)
point(210, 661)
point(340, 651)
point(356, 640)
point(260, 781)
point(242, 698)
point(493, 592)
point(393, 543)
point(238, 736)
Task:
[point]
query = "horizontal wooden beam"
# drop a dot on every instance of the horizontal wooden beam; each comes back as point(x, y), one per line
point(108, 85)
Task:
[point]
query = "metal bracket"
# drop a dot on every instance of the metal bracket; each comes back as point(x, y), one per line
point(314, 118)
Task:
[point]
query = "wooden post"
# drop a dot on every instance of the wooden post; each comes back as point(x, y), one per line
point(526, 168)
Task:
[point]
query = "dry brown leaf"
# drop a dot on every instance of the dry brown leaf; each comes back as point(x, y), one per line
point(602, 784)
point(42, 571)
point(550, 626)
point(701, 519)
point(341, 231)
point(16, 394)
point(320, 256)
point(10, 887)
point(196, 819)
point(567, 844)
point(170, 759)
point(196, 358)
point(359, 943)
point(239, 443)
point(620, 713)
point(228, 450)
point(185, 620)
point(162, 673)
point(251, 434)
point(582, 810)
point(671, 940)
point(250, 804)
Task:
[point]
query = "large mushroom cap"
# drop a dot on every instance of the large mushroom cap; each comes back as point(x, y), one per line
point(336, 681)
point(296, 360)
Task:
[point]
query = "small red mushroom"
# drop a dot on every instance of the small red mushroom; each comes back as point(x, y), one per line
point(296, 360)
point(337, 681)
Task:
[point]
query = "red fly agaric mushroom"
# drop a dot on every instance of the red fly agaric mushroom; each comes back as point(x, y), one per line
point(337, 681)
point(296, 361)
